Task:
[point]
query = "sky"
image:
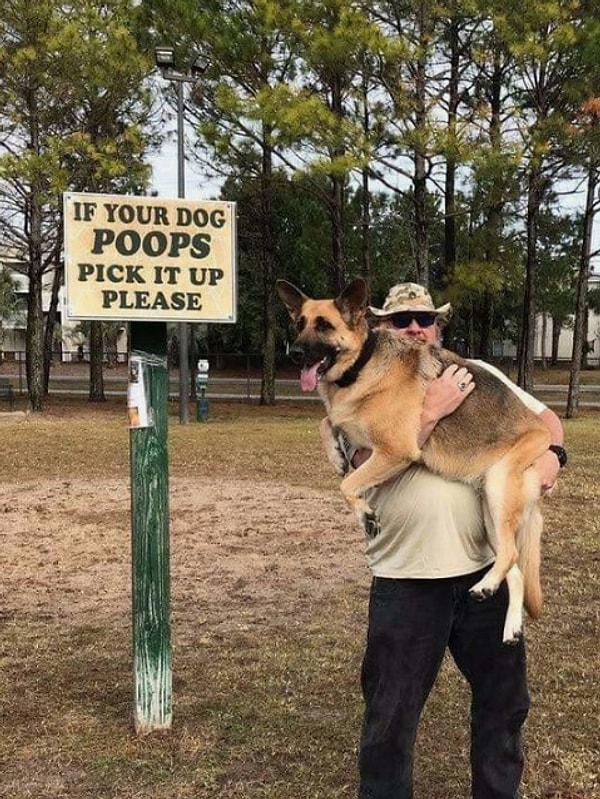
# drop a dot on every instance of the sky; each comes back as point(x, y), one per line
point(164, 176)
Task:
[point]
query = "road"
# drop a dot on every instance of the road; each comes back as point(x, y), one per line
point(248, 388)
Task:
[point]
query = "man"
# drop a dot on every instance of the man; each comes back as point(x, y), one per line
point(430, 550)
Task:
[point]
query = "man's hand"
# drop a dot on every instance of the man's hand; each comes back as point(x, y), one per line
point(547, 467)
point(443, 396)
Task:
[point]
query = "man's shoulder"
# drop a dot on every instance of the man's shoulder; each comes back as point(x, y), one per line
point(528, 399)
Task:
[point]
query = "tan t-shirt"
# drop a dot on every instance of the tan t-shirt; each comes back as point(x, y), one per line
point(431, 527)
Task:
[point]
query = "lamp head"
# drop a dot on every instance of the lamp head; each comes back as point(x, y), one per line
point(199, 65)
point(164, 57)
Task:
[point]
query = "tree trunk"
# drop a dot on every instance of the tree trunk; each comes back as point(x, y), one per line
point(34, 355)
point(450, 177)
point(96, 355)
point(337, 235)
point(582, 289)
point(584, 336)
point(556, 328)
point(486, 325)
point(527, 340)
point(543, 341)
point(51, 324)
point(111, 334)
point(496, 207)
point(338, 267)
point(365, 228)
point(267, 387)
point(420, 169)
point(421, 223)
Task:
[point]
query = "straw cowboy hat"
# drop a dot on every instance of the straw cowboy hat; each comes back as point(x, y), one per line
point(405, 297)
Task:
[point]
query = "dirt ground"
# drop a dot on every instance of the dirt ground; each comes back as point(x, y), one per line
point(234, 554)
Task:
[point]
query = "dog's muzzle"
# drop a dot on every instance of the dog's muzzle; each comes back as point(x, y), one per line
point(297, 354)
point(308, 355)
point(314, 361)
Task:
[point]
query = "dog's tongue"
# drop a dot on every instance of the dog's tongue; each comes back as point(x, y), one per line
point(308, 378)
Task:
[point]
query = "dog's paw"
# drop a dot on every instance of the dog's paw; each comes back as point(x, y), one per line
point(512, 637)
point(336, 448)
point(485, 588)
point(371, 525)
point(481, 593)
point(513, 626)
point(338, 457)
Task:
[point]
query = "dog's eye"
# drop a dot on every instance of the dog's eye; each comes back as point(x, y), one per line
point(322, 325)
point(300, 324)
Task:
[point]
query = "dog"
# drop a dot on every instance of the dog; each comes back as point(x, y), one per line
point(373, 386)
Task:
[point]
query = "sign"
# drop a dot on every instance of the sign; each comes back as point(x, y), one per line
point(147, 258)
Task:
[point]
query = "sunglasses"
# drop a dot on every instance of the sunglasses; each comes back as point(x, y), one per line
point(404, 318)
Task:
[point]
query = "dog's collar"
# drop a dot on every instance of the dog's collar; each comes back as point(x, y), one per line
point(351, 374)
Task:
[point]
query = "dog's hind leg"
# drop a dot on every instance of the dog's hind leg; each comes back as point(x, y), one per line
point(505, 507)
point(513, 623)
point(509, 491)
point(523, 580)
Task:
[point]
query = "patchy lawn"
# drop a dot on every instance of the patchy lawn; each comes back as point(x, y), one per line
point(269, 593)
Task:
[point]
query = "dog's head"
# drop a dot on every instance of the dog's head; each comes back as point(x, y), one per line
point(331, 333)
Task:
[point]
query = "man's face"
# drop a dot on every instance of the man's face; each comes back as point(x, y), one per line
point(418, 326)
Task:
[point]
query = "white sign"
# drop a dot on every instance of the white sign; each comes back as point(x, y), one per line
point(149, 259)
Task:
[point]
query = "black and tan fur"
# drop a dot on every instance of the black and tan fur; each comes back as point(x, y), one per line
point(373, 386)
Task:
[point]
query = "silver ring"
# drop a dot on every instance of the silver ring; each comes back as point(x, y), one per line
point(462, 386)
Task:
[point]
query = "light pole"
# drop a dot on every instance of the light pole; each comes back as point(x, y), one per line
point(165, 61)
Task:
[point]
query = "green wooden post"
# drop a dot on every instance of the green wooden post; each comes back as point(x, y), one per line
point(152, 654)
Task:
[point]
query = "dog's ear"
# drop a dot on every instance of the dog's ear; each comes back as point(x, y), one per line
point(353, 299)
point(291, 296)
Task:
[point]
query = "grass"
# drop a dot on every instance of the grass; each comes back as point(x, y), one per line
point(273, 711)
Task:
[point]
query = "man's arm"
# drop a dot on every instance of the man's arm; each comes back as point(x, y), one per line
point(548, 466)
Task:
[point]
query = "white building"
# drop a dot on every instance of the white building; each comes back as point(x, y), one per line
point(13, 338)
point(506, 349)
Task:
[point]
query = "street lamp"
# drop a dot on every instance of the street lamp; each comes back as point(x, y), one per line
point(164, 57)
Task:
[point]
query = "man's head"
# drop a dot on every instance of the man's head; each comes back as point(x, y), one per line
point(409, 311)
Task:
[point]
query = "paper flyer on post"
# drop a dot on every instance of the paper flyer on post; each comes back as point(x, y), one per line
point(138, 402)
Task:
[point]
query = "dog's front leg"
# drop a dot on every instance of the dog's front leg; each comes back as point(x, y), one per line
point(378, 468)
point(337, 447)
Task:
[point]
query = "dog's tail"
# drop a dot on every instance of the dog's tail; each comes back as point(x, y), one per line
point(529, 561)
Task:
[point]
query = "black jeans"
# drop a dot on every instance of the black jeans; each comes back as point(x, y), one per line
point(411, 622)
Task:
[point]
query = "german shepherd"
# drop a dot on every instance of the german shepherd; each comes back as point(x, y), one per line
point(373, 385)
